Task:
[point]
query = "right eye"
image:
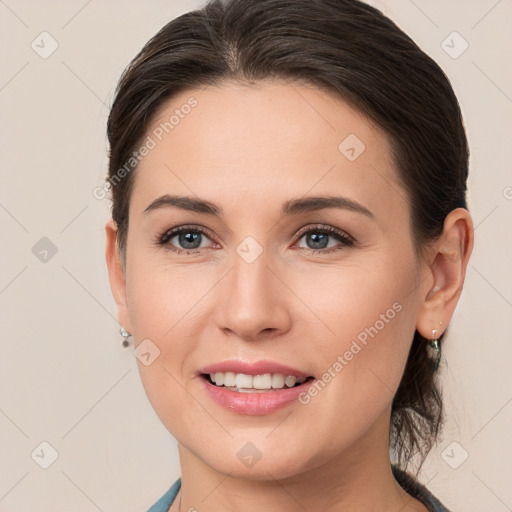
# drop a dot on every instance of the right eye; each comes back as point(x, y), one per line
point(184, 239)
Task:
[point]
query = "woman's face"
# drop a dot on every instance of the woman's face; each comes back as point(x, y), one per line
point(257, 280)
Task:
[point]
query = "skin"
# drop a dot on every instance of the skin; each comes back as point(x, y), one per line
point(248, 149)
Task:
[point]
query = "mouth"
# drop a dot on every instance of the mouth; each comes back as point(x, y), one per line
point(254, 388)
point(264, 383)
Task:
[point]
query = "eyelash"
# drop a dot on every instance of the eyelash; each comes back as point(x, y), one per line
point(346, 240)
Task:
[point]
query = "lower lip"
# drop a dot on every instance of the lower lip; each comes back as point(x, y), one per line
point(254, 404)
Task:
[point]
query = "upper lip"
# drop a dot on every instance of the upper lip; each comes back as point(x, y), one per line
point(255, 368)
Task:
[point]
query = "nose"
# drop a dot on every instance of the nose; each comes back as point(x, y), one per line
point(252, 301)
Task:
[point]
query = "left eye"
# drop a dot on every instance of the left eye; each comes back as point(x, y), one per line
point(318, 239)
point(189, 239)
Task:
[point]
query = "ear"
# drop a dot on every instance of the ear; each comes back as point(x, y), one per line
point(446, 267)
point(116, 275)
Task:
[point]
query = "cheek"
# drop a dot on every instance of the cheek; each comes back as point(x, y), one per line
point(162, 304)
point(371, 312)
point(351, 301)
point(162, 296)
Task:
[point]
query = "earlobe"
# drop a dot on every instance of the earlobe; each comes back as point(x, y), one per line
point(116, 274)
point(448, 259)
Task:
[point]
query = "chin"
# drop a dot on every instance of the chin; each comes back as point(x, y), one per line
point(255, 460)
point(269, 470)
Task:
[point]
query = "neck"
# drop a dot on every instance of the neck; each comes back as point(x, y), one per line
point(358, 478)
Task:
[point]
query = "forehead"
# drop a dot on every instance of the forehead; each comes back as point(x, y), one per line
point(264, 142)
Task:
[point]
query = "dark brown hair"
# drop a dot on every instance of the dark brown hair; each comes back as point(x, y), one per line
point(344, 47)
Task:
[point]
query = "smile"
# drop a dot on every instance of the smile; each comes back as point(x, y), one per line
point(244, 383)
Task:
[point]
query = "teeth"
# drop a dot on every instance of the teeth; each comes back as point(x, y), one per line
point(267, 381)
point(277, 381)
point(290, 381)
point(262, 381)
point(229, 379)
point(243, 381)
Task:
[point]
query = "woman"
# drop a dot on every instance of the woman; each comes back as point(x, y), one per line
point(289, 240)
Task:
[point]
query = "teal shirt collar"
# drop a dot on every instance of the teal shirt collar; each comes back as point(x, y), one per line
point(406, 481)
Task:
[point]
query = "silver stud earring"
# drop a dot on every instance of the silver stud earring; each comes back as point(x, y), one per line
point(125, 334)
point(435, 347)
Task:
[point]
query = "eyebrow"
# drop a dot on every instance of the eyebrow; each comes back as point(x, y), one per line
point(290, 207)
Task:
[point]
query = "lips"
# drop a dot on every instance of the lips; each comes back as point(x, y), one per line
point(253, 401)
point(256, 368)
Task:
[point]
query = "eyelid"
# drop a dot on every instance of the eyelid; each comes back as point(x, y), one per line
point(326, 228)
point(191, 227)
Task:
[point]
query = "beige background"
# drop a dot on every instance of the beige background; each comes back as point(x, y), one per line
point(64, 378)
